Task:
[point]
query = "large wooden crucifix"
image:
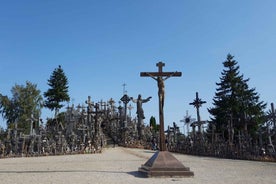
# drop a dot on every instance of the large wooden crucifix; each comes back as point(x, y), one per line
point(160, 77)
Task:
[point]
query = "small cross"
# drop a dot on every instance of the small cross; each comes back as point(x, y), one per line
point(197, 102)
point(89, 103)
point(124, 88)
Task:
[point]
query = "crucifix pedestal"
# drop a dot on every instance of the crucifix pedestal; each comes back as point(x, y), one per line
point(163, 163)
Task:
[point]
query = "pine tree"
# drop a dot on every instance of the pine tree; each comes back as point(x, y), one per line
point(58, 91)
point(153, 125)
point(235, 102)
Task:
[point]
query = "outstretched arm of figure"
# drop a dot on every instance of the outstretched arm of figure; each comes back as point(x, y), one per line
point(147, 99)
point(168, 76)
point(133, 100)
point(155, 78)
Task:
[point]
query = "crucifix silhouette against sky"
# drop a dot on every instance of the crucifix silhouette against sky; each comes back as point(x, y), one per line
point(160, 77)
point(197, 104)
point(163, 163)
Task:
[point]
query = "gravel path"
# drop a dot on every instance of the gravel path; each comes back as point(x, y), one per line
point(120, 165)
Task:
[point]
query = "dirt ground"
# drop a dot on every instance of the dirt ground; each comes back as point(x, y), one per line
point(120, 165)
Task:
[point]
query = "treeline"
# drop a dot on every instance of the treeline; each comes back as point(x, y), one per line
point(26, 102)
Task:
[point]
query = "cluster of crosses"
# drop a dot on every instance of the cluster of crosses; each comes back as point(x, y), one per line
point(83, 129)
point(94, 125)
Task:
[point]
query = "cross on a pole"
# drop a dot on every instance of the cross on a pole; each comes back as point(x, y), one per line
point(187, 120)
point(96, 112)
point(103, 105)
point(197, 103)
point(33, 125)
point(160, 77)
point(90, 104)
point(125, 99)
point(124, 88)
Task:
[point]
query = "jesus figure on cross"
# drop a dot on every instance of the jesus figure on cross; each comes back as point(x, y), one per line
point(160, 83)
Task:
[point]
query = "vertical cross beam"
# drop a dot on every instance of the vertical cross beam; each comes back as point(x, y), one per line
point(124, 88)
point(273, 118)
point(111, 102)
point(89, 110)
point(160, 66)
point(160, 77)
point(273, 115)
point(89, 103)
point(125, 99)
point(97, 112)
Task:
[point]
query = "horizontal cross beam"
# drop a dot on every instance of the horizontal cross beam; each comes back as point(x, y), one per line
point(160, 74)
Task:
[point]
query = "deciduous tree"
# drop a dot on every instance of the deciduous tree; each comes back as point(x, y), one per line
point(25, 102)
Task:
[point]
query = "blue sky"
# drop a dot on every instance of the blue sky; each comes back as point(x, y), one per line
point(103, 44)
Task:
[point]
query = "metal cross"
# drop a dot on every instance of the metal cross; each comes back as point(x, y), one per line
point(197, 103)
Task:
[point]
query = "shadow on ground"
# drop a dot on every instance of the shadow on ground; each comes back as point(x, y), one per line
point(137, 174)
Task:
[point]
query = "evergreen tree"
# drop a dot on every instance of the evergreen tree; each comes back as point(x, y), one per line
point(58, 91)
point(235, 102)
point(26, 102)
point(153, 125)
